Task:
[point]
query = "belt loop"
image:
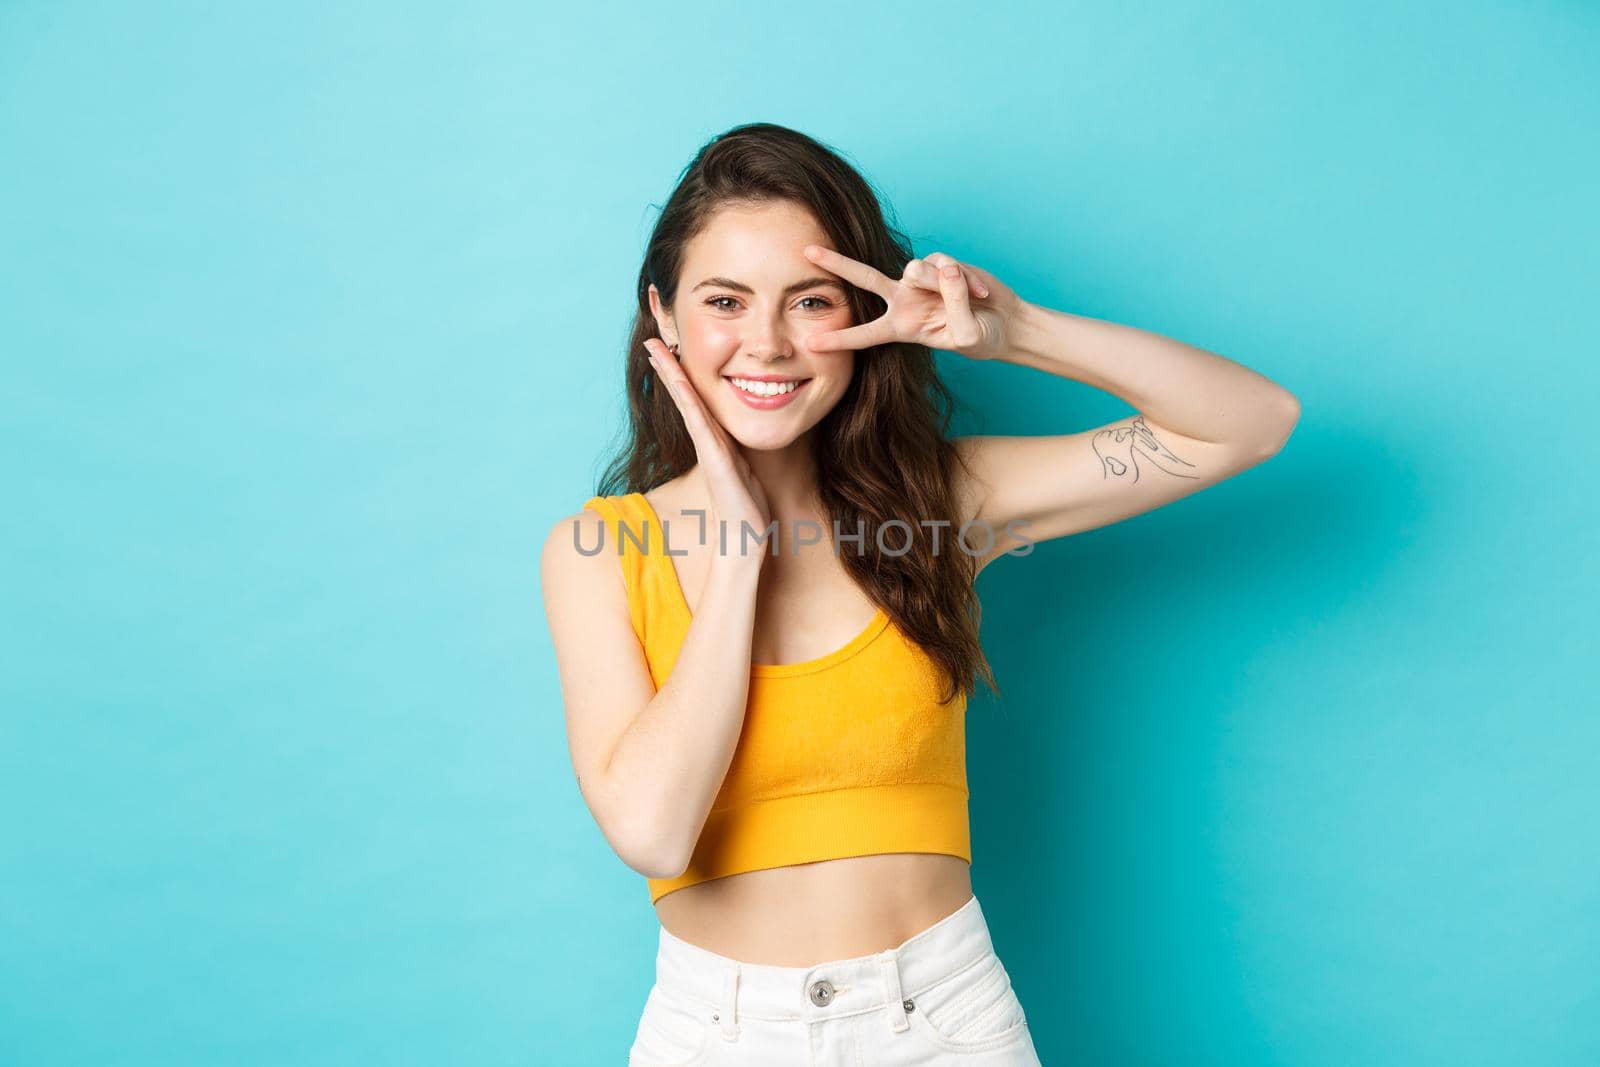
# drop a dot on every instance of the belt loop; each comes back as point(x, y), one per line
point(897, 1004)
point(730, 1000)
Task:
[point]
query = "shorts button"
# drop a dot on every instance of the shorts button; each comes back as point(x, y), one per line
point(821, 992)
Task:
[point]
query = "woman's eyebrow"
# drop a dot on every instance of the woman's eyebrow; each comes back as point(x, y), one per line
point(740, 287)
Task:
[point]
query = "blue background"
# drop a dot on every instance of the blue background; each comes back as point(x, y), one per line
point(311, 318)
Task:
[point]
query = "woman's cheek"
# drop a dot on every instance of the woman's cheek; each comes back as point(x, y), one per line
point(716, 338)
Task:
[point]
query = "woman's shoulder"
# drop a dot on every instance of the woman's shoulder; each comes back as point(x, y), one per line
point(567, 538)
point(603, 514)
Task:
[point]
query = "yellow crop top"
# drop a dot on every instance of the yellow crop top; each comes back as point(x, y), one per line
point(849, 754)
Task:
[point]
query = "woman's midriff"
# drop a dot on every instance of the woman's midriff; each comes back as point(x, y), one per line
point(811, 913)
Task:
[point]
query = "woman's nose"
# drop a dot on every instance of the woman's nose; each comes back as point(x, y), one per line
point(767, 345)
point(768, 337)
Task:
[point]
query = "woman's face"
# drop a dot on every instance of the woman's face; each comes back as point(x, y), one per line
point(747, 300)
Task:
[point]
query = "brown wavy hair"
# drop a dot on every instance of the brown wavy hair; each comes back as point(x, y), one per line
point(882, 452)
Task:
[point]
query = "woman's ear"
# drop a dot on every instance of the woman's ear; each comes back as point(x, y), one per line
point(663, 317)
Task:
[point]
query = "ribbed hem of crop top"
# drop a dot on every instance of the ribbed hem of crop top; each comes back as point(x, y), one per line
point(831, 824)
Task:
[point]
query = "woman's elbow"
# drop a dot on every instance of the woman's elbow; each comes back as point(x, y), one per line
point(649, 851)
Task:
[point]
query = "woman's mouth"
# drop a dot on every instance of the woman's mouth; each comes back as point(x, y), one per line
point(766, 396)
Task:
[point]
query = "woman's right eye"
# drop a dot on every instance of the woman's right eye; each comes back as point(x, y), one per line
point(719, 307)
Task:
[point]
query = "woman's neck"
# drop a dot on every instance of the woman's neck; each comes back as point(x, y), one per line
point(788, 477)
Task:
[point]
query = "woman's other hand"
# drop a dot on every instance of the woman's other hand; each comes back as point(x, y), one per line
point(736, 495)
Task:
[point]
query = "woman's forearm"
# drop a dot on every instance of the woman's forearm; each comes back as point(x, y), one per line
point(1187, 389)
point(669, 764)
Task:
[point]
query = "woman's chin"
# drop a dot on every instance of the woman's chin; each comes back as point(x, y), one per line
point(764, 442)
point(758, 438)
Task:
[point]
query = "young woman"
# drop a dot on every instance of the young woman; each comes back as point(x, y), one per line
point(765, 623)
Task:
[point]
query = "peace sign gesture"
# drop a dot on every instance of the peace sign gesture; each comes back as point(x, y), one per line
point(938, 301)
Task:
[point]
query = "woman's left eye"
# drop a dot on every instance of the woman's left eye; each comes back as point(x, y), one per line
point(824, 301)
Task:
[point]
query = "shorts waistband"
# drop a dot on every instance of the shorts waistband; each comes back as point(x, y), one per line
point(732, 989)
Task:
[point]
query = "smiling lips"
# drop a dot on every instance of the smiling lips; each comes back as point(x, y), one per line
point(765, 395)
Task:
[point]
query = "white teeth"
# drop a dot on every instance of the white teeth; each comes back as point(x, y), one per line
point(765, 388)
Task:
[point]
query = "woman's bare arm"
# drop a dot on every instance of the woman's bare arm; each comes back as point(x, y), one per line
point(649, 764)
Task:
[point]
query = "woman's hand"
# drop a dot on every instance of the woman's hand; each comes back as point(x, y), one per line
point(938, 302)
point(736, 495)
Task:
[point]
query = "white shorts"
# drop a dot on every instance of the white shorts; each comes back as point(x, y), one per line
point(942, 996)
